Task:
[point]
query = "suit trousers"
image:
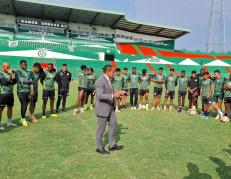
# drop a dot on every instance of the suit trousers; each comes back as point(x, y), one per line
point(102, 122)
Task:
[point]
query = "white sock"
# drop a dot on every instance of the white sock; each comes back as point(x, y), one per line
point(220, 112)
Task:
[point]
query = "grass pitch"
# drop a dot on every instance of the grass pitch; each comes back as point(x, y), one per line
point(157, 145)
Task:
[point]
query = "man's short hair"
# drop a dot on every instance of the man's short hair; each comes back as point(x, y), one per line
point(172, 70)
point(118, 69)
point(106, 68)
point(206, 73)
point(125, 69)
point(217, 71)
point(144, 71)
point(183, 71)
point(50, 64)
point(91, 69)
point(202, 69)
point(37, 65)
point(64, 65)
point(133, 67)
point(83, 67)
point(23, 61)
point(161, 68)
point(194, 71)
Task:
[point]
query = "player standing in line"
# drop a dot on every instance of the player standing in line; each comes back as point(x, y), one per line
point(144, 81)
point(183, 86)
point(82, 87)
point(218, 93)
point(7, 80)
point(125, 79)
point(63, 78)
point(117, 85)
point(227, 96)
point(134, 88)
point(200, 77)
point(37, 71)
point(25, 89)
point(205, 95)
point(193, 91)
point(170, 83)
point(48, 81)
point(159, 80)
point(90, 88)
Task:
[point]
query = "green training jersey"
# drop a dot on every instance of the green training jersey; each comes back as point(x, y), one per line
point(6, 89)
point(219, 86)
point(200, 76)
point(21, 86)
point(117, 83)
point(171, 82)
point(82, 77)
point(206, 86)
point(144, 82)
point(134, 81)
point(91, 81)
point(125, 81)
point(228, 92)
point(49, 81)
point(159, 77)
point(35, 78)
point(183, 83)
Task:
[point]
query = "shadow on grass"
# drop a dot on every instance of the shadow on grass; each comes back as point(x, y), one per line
point(228, 150)
point(38, 115)
point(9, 128)
point(194, 172)
point(223, 171)
point(118, 134)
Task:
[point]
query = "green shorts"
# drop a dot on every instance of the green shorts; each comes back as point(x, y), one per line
point(217, 97)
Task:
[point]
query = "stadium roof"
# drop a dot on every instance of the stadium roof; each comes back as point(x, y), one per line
point(115, 20)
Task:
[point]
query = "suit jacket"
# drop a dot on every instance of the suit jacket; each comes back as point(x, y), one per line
point(104, 98)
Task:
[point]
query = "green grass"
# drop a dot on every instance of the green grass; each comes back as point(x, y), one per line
point(157, 145)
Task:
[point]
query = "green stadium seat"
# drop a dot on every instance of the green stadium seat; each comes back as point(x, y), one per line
point(90, 49)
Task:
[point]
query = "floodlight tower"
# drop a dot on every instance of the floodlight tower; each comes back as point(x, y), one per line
point(216, 30)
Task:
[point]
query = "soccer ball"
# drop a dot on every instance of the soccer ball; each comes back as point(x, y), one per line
point(143, 107)
point(193, 113)
point(225, 119)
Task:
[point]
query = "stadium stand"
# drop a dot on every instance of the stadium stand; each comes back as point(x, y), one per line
point(92, 36)
point(127, 49)
point(146, 51)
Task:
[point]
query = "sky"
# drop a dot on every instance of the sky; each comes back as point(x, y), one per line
point(189, 14)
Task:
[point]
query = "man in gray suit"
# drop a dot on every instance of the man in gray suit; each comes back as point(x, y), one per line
point(105, 110)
